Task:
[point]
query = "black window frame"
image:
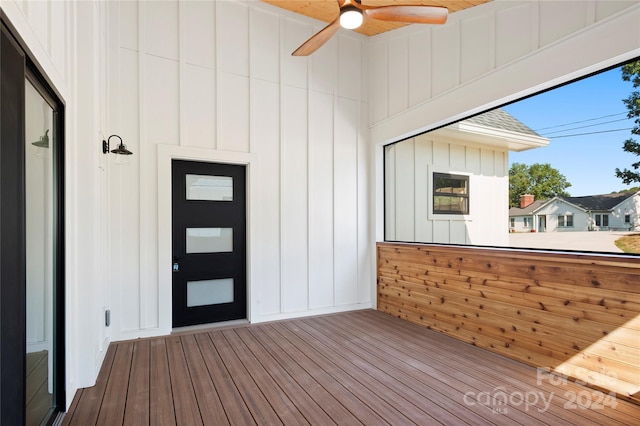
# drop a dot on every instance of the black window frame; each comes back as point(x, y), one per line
point(465, 196)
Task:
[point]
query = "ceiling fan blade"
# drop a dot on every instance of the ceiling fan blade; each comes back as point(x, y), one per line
point(415, 14)
point(318, 39)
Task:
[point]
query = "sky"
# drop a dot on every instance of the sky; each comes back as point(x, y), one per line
point(587, 161)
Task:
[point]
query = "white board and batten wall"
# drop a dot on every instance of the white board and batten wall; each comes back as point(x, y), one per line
point(218, 78)
point(67, 41)
point(410, 166)
point(215, 81)
point(424, 77)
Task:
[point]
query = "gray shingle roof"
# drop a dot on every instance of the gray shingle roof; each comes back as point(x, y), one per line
point(517, 211)
point(501, 119)
point(599, 202)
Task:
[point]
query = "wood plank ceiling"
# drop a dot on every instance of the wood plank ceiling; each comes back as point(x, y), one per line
point(327, 10)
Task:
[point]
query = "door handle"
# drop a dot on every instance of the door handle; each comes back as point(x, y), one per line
point(176, 264)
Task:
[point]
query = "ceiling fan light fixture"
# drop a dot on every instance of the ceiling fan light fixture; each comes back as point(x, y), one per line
point(351, 17)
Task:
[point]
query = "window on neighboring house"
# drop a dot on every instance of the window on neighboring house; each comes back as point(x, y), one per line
point(627, 218)
point(602, 220)
point(565, 220)
point(512, 222)
point(527, 222)
point(450, 194)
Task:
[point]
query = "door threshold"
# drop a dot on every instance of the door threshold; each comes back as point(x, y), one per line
point(213, 326)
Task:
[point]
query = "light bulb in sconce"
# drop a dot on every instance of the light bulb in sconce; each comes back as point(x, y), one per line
point(122, 160)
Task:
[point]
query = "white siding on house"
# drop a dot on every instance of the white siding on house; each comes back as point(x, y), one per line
point(519, 224)
point(409, 182)
point(631, 207)
point(583, 220)
point(556, 208)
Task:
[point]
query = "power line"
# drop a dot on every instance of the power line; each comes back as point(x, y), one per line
point(582, 127)
point(578, 122)
point(591, 133)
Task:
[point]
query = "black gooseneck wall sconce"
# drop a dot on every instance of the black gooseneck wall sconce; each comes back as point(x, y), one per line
point(120, 149)
point(43, 142)
point(42, 145)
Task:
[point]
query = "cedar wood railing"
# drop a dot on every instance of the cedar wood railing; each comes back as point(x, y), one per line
point(573, 314)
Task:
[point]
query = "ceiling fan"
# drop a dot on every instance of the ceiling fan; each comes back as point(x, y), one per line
point(353, 12)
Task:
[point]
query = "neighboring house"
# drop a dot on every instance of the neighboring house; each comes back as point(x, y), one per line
point(619, 211)
point(444, 184)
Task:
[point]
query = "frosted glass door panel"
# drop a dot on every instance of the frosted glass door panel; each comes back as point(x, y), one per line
point(209, 292)
point(209, 240)
point(209, 188)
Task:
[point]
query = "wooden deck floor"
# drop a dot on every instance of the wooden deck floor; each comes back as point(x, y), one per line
point(360, 367)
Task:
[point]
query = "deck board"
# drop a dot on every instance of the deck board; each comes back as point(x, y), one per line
point(514, 376)
point(302, 402)
point(449, 372)
point(277, 398)
point(307, 374)
point(386, 387)
point(115, 394)
point(89, 404)
point(441, 406)
point(341, 374)
point(212, 412)
point(236, 410)
point(138, 390)
point(362, 367)
point(261, 410)
point(161, 410)
point(185, 402)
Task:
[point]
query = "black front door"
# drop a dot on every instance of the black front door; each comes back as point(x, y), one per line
point(209, 242)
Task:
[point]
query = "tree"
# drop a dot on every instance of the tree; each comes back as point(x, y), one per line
point(540, 180)
point(631, 72)
point(632, 189)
